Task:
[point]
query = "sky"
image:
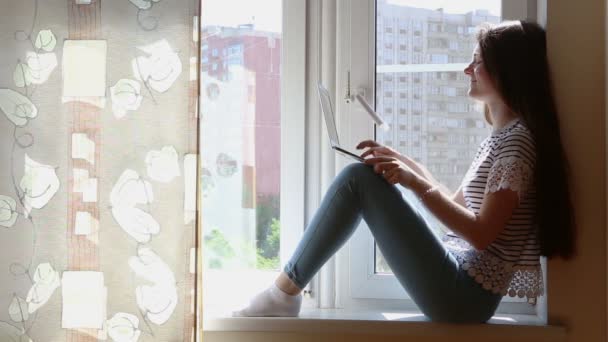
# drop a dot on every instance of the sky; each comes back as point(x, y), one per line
point(266, 14)
point(452, 6)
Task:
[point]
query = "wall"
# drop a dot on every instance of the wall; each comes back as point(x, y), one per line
point(576, 43)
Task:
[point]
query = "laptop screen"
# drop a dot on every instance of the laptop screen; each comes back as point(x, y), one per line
point(328, 114)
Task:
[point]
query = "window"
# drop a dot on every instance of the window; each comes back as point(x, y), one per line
point(418, 128)
point(433, 27)
point(417, 105)
point(241, 131)
point(449, 91)
point(442, 132)
point(456, 105)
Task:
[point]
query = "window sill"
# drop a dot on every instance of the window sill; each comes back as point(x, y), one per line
point(386, 323)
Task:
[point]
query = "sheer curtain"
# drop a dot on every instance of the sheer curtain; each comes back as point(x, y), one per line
point(98, 146)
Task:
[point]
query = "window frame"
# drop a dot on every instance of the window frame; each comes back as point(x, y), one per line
point(293, 162)
point(313, 27)
point(293, 123)
point(359, 285)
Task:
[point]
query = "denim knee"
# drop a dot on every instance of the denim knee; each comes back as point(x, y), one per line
point(357, 170)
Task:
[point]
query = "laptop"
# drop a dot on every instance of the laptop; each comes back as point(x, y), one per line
point(330, 122)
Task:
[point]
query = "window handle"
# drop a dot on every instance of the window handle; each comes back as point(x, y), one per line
point(348, 97)
point(372, 113)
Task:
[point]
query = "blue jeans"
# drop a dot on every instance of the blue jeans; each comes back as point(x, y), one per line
point(427, 271)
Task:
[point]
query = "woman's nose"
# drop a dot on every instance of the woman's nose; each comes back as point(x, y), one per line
point(467, 70)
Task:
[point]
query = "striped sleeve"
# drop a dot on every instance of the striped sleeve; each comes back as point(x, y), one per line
point(513, 164)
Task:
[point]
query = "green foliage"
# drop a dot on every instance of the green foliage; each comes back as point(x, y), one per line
point(217, 249)
point(267, 209)
point(263, 263)
point(268, 232)
point(264, 255)
point(268, 259)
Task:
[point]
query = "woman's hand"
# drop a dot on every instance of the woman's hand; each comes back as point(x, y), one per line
point(393, 170)
point(377, 150)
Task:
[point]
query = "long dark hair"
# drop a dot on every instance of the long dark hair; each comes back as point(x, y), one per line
point(515, 56)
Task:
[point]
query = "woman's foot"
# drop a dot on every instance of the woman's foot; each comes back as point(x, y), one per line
point(272, 302)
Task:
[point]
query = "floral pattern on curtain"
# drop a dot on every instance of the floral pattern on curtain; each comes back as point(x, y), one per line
point(98, 148)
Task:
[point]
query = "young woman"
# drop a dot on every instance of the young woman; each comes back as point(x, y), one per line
point(512, 207)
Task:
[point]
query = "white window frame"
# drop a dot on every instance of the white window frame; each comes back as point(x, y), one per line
point(293, 161)
point(293, 129)
point(358, 286)
point(293, 123)
point(310, 29)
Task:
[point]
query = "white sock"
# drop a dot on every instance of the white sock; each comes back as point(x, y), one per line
point(272, 302)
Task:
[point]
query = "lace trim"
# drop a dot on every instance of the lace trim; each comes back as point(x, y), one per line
point(496, 275)
point(509, 173)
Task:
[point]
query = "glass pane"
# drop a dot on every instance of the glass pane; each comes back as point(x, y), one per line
point(240, 133)
point(422, 48)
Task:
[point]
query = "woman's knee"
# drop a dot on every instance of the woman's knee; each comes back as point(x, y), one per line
point(362, 177)
point(356, 170)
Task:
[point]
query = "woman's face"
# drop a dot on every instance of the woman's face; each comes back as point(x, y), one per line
point(481, 86)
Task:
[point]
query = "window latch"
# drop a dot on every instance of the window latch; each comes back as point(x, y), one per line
point(348, 97)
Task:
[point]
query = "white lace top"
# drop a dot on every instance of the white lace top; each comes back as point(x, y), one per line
point(511, 264)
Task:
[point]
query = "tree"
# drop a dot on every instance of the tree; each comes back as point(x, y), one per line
point(268, 232)
point(268, 258)
point(217, 249)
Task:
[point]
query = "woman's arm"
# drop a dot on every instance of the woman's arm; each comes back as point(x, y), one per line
point(479, 230)
point(458, 197)
point(376, 149)
point(423, 172)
